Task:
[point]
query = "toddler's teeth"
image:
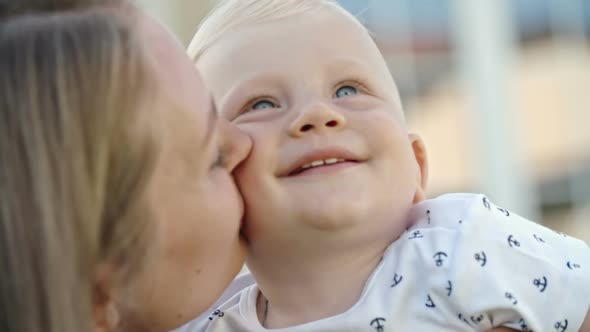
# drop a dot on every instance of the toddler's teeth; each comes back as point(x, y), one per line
point(317, 163)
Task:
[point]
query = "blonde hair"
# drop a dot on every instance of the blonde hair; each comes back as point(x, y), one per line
point(73, 160)
point(232, 14)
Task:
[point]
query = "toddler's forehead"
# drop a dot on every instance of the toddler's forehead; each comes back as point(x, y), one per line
point(303, 34)
point(320, 21)
point(310, 42)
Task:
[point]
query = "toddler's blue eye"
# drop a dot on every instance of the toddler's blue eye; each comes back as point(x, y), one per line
point(263, 104)
point(346, 90)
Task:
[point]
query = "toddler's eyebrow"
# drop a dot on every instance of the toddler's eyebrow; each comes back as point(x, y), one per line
point(345, 64)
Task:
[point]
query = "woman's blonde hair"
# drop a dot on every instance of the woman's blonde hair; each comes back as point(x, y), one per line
point(74, 160)
point(232, 14)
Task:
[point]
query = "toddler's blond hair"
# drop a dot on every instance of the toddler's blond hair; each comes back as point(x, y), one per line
point(231, 14)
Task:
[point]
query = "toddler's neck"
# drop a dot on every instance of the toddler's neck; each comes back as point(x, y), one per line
point(295, 292)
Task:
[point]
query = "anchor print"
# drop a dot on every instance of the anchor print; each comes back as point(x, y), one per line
point(512, 242)
point(505, 212)
point(477, 319)
point(486, 203)
point(541, 283)
point(439, 258)
point(538, 238)
point(376, 324)
point(429, 303)
point(464, 319)
point(481, 258)
point(449, 288)
point(428, 215)
point(560, 233)
point(396, 280)
point(509, 296)
point(572, 266)
point(216, 313)
point(416, 235)
point(523, 325)
point(561, 326)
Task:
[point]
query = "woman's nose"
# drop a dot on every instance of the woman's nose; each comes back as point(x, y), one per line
point(316, 118)
point(236, 145)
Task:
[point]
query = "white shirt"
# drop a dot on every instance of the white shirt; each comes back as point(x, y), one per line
point(465, 265)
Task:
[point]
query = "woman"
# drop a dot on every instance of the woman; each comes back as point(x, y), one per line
point(117, 209)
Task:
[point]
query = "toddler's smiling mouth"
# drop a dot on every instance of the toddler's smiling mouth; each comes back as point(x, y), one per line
point(332, 163)
point(322, 161)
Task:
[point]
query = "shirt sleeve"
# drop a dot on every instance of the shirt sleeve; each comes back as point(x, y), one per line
point(509, 271)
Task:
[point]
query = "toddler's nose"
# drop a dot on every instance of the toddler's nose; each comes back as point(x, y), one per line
point(317, 117)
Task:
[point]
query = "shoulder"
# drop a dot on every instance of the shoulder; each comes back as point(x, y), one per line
point(470, 238)
point(476, 216)
point(490, 257)
point(475, 220)
point(447, 210)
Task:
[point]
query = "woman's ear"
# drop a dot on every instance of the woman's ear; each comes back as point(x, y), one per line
point(422, 162)
point(106, 315)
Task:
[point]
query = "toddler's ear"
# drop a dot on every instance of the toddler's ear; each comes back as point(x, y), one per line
point(422, 166)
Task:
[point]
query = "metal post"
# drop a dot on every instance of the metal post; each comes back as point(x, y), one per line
point(485, 39)
point(567, 21)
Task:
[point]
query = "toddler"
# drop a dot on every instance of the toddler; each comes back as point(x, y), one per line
point(342, 237)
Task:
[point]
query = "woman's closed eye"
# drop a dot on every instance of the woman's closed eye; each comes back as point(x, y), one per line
point(219, 161)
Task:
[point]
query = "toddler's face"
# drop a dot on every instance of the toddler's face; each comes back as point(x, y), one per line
point(331, 150)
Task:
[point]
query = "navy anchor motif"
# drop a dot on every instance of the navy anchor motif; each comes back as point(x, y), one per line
point(428, 215)
point(216, 313)
point(541, 283)
point(523, 325)
point(504, 211)
point(416, 235)
point(512, 242)
point(397, 279)
point(464, 319)
point(439, 258)
point(477, 319)
point(486, 203)
point(429, 303)
point(561, 326)
point(377, 324)
point(509, 296)
point(572, 266)
point(449, 288)
point(539, 239)
point(481, 258)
